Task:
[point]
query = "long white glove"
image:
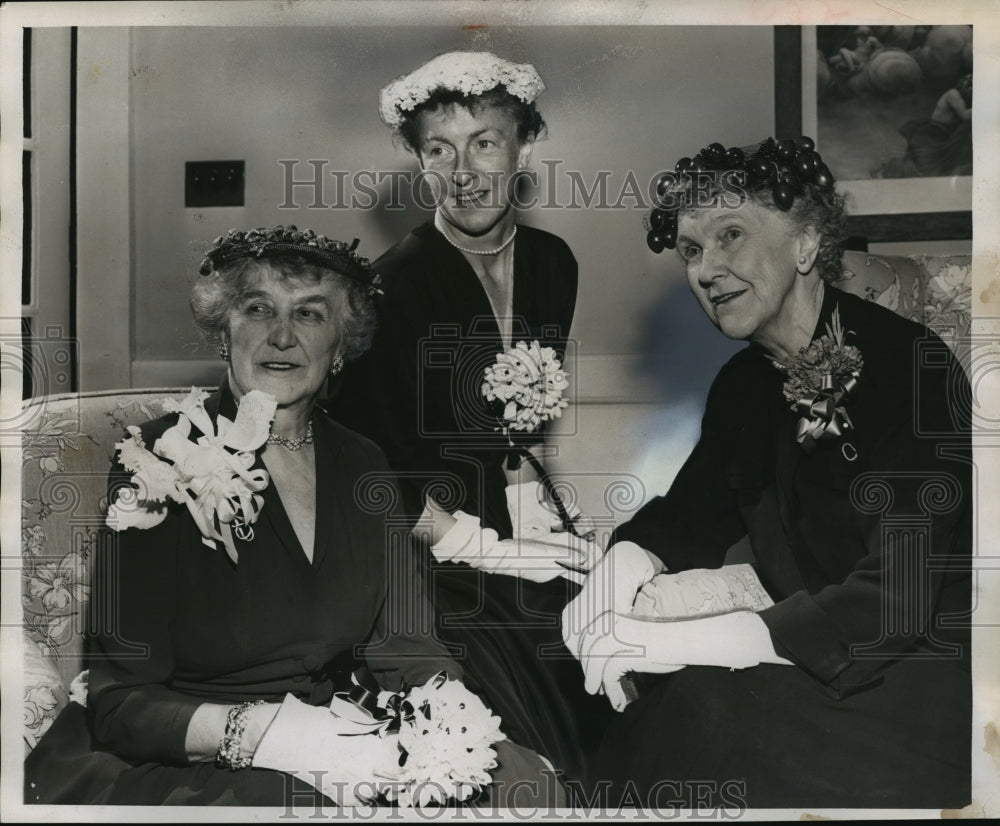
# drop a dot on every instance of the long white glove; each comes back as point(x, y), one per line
point(531, 514)
point(540, 559)
point(610, 587)
point(737, 640)
point(336, 755)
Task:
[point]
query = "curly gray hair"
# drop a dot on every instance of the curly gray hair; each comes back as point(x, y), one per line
point(215, 295)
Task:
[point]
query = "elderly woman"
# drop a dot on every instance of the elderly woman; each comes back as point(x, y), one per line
point(459, 290)
point(835, 441)
point(250, 567)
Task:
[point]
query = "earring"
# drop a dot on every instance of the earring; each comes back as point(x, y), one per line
point(224, 350)
point(337, 366)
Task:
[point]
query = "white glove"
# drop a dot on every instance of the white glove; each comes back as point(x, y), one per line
point(532, 515)
point(610, 587)
point(540, 559)
point(737, 640)
point(335, 755)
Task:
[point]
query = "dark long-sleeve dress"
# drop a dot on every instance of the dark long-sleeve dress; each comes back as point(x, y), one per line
point(417, 393)
point(178, 624)
point(867, 560)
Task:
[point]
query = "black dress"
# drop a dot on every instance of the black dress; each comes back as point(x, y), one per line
point(868, 563)
point(178, 624)
point(417, 393)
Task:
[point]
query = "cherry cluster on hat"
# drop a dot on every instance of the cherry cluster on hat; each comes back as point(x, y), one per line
point(784, 167)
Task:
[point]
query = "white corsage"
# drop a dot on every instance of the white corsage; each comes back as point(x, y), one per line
point(79, 687)
point(471, 73)
point(529, 381)
point(526, 384)
point(211, 476)
point(446, 739)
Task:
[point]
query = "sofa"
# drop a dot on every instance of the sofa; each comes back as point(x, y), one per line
point(68, 444)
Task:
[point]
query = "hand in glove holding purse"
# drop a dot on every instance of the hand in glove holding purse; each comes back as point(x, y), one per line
point(619, 644)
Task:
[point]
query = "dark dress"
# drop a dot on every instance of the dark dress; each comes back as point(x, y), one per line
point(177, 624)
point(868, 564)
point(417, 394)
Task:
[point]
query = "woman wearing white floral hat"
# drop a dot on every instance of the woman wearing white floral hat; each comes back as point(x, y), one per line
point(250, 571)
point(459, 290)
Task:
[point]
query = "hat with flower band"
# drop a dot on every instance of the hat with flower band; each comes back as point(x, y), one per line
point(785, 168)
point(280, 240)
point(470, 73)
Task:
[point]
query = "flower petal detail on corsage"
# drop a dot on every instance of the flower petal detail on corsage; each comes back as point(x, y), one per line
point(252, 425)
point(78, 688)
point(193, 408)
point(446, 739)
point(528, 380)
point(129, 511)
point(820, 379)
point(216, 484)
point(525, 386)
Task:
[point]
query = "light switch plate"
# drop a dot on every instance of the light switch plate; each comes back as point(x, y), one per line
point(213, 183)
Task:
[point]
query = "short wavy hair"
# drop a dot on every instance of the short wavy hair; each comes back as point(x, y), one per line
point(529, 122)
point(214, 296)
point(823, 210)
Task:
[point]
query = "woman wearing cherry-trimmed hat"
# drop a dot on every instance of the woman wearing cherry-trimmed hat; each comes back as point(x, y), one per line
point(838, 441)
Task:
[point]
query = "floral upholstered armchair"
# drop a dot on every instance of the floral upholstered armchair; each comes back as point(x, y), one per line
point(69, 444)
point(936, 291)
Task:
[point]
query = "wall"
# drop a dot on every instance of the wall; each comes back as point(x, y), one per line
point(623, 99)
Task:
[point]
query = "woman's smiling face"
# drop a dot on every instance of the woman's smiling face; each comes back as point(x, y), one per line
point(475, 155)
point(284, 333)
point(742, 267)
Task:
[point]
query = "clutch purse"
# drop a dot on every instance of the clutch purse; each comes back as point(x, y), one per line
point(699, 592)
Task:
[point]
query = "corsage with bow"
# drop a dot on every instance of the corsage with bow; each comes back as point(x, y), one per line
point(212, 476)
point(820, 380)
point(445, 740)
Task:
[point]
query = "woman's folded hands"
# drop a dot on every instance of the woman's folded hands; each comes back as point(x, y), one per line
point(609, 643)
point(614, 645)
point(611, 586)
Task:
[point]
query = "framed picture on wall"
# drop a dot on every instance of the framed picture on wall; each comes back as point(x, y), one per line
point(890, 108)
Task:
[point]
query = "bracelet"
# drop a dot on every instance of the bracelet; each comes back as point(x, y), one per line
point(228, 755)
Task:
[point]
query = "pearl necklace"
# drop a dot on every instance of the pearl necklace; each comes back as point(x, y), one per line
point(293, 444)
point(496, 251)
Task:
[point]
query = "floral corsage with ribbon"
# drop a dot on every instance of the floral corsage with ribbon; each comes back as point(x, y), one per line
point(445, 738)
point(211, 475)
point(820, 380)
point(525, 387)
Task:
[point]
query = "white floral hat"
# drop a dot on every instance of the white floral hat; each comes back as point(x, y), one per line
point(472, 73)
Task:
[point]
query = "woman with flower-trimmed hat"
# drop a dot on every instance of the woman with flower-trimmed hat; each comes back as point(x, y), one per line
point(472, 280)
point(838, 442)
point(459, 290)
point(250, 573)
